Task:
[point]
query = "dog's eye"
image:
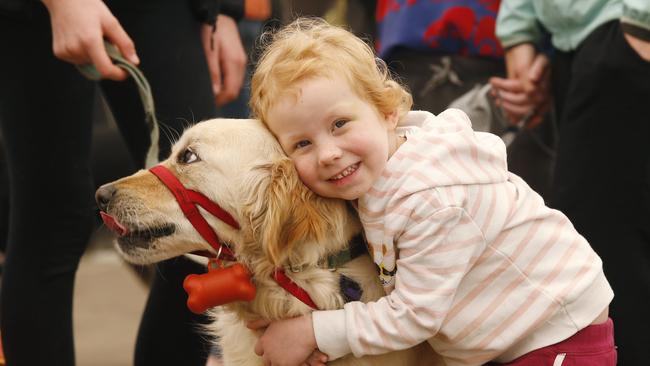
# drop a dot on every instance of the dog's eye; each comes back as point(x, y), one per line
point(187, 157)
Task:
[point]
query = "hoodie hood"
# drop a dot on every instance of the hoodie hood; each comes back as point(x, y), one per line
point(448, 150)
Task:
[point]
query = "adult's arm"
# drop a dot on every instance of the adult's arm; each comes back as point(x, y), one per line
point(226, 58)
point(79, 28)
point(206, 11)
point(525, 91)
point(517, 23)
point(224, 52)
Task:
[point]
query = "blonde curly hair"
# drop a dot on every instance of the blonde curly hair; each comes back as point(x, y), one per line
point(312, 48)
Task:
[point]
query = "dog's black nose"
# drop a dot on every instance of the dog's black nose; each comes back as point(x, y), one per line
point(103, 196)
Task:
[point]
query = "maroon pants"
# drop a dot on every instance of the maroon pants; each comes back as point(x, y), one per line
point(592, 346)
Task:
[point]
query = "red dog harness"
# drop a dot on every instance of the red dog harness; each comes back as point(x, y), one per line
point(188, 199)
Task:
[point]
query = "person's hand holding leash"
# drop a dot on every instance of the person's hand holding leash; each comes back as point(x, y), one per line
point(79, 28)
point(226, 58)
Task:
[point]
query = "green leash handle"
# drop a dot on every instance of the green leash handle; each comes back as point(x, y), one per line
point(90, 72)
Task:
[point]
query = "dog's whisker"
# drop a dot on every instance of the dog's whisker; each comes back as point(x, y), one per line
point(170, 133)
point(193, 118)
point(186, 124)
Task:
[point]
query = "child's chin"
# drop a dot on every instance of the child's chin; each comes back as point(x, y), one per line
point(349, 196)
point(334, 194)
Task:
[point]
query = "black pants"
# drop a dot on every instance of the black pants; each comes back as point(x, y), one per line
point(602, 178)
point(46, 119)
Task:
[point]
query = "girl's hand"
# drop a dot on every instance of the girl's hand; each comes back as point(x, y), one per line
point(226, 58)
point(79, 28)
point(288, 342)
point(317, 358)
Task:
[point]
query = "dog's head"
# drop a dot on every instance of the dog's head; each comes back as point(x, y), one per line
point(238, 165)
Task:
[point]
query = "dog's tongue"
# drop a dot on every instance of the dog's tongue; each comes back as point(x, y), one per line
point(112, 224)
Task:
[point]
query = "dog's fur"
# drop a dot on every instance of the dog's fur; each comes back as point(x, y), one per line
point(241, 167)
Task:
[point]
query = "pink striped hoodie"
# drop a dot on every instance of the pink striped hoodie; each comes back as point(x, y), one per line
point(485, 270)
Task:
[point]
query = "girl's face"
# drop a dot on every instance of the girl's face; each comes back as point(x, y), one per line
point(339, 142)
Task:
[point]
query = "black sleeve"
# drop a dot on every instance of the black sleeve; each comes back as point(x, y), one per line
point(233, 9)
point(17, 9)
point(206, 11)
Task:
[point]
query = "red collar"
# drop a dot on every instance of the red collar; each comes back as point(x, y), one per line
point(298, 292)
point(188, 199)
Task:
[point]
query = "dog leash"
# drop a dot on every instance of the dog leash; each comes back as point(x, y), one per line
point(90, 72)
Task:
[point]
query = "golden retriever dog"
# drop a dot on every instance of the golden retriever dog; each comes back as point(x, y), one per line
point(239, 165)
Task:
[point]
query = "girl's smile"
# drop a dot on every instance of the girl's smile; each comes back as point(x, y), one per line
point(346, 175)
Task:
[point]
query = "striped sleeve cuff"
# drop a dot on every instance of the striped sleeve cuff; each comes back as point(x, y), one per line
point(330, 332)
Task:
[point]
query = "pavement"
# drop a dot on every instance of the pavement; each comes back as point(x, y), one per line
point(108, 301)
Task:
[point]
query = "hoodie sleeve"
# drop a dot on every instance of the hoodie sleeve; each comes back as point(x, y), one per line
point(430, 267)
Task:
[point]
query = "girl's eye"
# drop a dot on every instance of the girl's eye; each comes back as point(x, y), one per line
point(302, 144)
point(188, 156)
point(340, 123)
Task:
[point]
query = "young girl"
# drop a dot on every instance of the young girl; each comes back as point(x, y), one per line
point(471, 259)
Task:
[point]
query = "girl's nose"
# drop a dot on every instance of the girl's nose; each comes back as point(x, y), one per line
point(329, 154)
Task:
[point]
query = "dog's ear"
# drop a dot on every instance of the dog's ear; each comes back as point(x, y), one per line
point(294, 214)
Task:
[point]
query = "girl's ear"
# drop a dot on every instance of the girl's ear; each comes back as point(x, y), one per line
point(392, 119)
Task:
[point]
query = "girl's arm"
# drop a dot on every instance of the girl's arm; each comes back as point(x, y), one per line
point(429, 271)
point(430, 267)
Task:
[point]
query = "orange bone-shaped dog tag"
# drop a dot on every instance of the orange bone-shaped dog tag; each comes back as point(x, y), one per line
point(217, 287)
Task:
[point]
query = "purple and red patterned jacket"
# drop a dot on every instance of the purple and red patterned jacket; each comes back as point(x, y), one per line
point(459, 27)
